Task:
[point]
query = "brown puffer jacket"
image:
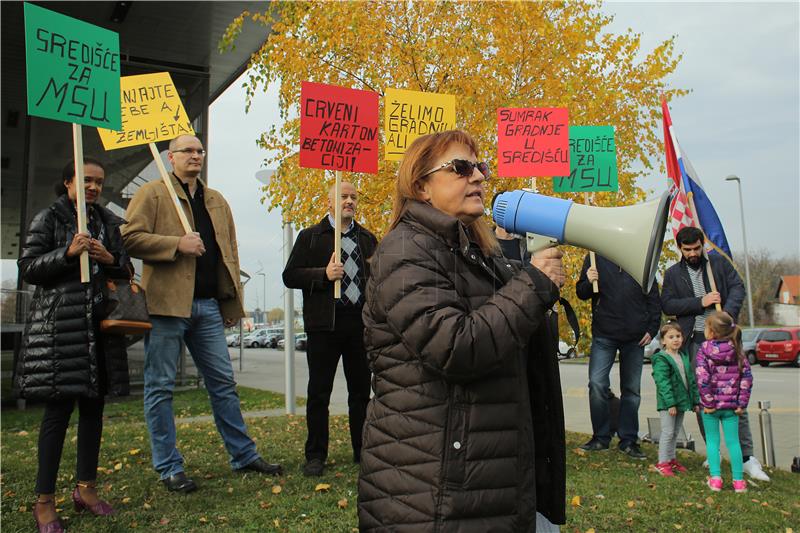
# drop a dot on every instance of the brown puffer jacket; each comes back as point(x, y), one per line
point(465, 431)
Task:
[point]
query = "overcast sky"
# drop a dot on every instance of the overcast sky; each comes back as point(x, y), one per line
point(742, 117)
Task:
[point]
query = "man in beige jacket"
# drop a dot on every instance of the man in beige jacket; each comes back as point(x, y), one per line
point(193, 292)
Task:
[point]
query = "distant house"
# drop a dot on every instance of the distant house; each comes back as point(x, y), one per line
point(786, 309)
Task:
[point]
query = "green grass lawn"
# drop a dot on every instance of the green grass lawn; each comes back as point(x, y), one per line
point(605, 491)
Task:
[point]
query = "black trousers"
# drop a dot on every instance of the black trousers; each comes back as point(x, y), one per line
point(51, 440)
point(323, 351)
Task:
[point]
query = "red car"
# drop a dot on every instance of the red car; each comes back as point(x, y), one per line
point(779, 345)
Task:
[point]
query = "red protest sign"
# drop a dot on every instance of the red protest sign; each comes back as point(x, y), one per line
point(338, 128)
point(532, 141)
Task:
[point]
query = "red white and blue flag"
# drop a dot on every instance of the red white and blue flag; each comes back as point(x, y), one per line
point(686, 183)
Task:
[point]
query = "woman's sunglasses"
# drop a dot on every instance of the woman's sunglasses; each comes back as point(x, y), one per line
point(464, 168)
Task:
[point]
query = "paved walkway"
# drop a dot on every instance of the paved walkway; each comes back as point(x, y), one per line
point(264, 369)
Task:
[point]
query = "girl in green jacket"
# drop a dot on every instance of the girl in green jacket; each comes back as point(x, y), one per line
point(676, 391)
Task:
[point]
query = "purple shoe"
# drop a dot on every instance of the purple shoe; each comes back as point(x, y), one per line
point(101, 508)
point(51, 527)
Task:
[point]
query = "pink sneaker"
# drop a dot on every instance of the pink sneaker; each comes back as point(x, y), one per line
point(714, 483)
point(665, 469)
point(739, 485)
point(676, 466)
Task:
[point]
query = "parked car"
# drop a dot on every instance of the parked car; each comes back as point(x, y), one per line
point(565, 351)
point(232, 339)
point(780, 344)
point(274, 335)
point(257, 339)
point(301, 341)
point(653, 347)
point(750, 338)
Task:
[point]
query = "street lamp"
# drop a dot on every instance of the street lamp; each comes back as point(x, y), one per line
point(264, 290)
point(265, 176)
point(746, 253)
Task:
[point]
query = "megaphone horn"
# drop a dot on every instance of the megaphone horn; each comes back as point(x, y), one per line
point(629, 236)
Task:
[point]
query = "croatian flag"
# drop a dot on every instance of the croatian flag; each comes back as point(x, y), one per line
point(685, 182)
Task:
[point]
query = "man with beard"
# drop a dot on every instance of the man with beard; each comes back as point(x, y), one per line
point(687, 295)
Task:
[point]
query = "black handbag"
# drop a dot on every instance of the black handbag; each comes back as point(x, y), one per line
point(126, 308)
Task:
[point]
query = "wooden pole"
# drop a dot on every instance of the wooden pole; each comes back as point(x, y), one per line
point(187, 228)
point(337, 231)
point(592, 258)
point(80, 194)
point(710, 272)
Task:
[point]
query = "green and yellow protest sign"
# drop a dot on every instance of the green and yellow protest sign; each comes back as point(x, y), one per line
point(72, 69)
point(411, 114)
point(151, 111)
point(592, 161)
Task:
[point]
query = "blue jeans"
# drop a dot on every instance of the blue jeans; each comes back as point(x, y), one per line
point(204, 335)
point(601, 359)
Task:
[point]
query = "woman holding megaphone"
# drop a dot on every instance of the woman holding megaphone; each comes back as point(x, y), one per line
point(465, 429)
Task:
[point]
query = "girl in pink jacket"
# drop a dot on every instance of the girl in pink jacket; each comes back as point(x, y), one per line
point(724, 381)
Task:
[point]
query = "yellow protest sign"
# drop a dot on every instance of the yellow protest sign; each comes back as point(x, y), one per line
point(411, 114)
point(152, 111)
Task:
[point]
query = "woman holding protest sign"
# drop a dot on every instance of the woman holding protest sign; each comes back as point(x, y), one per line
point(466, 429)
point(65, 357)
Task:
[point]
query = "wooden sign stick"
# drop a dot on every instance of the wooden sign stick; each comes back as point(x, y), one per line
point(710, 273)
point(80, 193)
point(337, 231)
point(187, 228)
point(592, 259)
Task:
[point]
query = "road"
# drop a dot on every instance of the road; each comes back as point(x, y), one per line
point(779, 383)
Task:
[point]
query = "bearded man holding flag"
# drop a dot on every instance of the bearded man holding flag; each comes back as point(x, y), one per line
point(702, 280)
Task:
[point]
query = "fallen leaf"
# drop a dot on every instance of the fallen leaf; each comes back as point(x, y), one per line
point(23, 509)
point(575, 501)
point(322, 487)
point(631, 503)
point(342, 503)
point(789, 530)
point(118, 466)
point(276, 489)
point(203, 519)
point(126, 499)
point(230, 490)
point(23, 433)
point(600, 496)
point(135, 451)
point(764, 504)
point(580, 452)
point(678, 526)
point(147, 505)
point(277, 522)
point(264, 505)
point(710, 500)
point(164, 521)
point(590, 530)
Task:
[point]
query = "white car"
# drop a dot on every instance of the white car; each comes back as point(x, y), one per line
point(232, 339)
point(565, 351)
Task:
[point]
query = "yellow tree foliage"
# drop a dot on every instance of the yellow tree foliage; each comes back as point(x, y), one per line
point(488, 54)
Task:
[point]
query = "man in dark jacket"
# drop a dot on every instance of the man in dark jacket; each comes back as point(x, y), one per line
point(624, 319)
point(334, 326)
point(688, 296)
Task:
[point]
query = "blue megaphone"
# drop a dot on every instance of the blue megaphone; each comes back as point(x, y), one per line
point(629, 236)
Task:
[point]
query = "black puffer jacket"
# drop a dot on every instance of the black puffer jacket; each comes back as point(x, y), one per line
point(466, 430)
point(60, 346)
